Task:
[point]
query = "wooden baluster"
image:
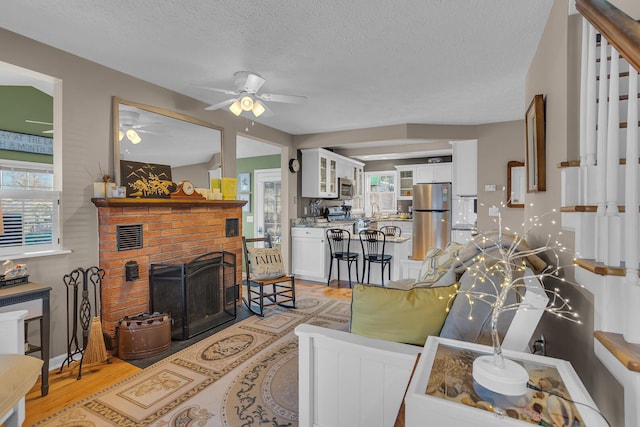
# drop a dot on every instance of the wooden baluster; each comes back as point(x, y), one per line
point(601, 154)
point(631, 328)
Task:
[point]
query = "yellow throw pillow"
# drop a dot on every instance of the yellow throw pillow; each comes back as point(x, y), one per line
point(266, 263)
point(400, 315)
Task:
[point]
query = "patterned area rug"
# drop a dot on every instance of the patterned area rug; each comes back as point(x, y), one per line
point(245, 375)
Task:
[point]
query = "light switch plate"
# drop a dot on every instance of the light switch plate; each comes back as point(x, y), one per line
point(493, 211)
point(490, 187)
point(249, 218)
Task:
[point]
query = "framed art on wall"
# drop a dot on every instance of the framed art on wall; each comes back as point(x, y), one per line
point(535, 163)
point(146, 180)
point(244, 182)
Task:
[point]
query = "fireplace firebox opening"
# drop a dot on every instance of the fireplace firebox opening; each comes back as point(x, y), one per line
point(199, 295)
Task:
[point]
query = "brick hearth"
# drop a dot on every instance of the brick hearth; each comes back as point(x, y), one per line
point(173, 231)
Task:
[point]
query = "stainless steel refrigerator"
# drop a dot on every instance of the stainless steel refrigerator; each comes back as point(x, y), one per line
point(431, 217)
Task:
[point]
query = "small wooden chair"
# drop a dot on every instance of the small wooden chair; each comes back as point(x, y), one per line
point(262, 293)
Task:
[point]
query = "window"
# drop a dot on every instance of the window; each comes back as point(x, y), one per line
point(29, 181)
point(380, 192)
point(29, 208)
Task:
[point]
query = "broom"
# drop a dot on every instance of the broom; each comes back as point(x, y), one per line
point(95, 351)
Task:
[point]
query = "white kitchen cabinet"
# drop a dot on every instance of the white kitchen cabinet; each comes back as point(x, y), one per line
point(357, 203)
point(406, 226)
point(319, 173)
point(345, 167)
point(433, 172)
point(465, 168)
point(406, 179)
point(408, 175)
point(309, 253)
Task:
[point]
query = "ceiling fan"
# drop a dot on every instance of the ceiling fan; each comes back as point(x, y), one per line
point(130, 127)
point(247, 98)
point(37, 122)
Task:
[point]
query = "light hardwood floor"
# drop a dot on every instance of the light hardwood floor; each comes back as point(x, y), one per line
point(65, 389)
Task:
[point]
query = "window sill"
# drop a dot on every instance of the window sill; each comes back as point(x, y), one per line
point(35, 254)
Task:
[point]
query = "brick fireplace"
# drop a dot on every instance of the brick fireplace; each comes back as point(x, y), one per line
point(171, 231)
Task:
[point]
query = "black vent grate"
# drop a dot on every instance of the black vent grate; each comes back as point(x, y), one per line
point(129, 237)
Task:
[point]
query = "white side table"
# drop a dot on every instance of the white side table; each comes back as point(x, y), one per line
point(442, 391)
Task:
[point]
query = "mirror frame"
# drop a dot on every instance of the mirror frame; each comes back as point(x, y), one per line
point(115, 126)
point(512, 166)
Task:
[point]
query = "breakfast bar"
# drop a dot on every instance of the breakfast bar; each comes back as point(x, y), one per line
point(398, 247)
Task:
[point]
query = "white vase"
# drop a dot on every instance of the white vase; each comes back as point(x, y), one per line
point(110, 188)
point(99, 190)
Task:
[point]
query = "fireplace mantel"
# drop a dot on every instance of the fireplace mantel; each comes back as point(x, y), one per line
point(175, 202)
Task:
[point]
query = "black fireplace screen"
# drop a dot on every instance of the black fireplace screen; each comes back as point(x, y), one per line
point(199, 295)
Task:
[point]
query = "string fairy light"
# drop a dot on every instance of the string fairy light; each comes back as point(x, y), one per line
point(501, 266)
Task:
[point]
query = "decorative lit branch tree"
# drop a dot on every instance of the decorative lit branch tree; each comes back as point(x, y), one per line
point(499, 273)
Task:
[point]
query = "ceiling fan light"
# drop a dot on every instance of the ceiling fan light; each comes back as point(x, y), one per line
point(133, 136)
point(258, 109)
point(247, 103)
point(236, 108)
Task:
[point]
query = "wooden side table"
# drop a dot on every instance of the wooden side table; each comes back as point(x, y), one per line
point(35, 299)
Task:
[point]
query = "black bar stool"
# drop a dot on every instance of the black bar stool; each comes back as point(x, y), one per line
point(391, 230)
point(373, 243)
point(339, 245)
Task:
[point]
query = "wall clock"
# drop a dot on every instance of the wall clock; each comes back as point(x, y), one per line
point(294, 165)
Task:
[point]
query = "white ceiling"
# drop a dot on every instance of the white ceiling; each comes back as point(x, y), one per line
point(360, 63)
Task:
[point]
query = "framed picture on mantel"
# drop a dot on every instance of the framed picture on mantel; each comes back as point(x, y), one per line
point(535, 163)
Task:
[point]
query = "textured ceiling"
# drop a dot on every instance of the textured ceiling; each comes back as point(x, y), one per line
point(361, 63)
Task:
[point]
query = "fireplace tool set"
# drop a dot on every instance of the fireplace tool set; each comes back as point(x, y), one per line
point(83, 285)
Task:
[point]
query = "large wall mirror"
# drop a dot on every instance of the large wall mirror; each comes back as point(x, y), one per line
point(191, 147)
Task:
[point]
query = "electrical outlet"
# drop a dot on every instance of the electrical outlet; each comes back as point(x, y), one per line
point(490, 187)
point(540, 346)
point(493, 211)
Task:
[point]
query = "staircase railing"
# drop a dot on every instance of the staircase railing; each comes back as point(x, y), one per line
point(607, 180)
point(616, 26)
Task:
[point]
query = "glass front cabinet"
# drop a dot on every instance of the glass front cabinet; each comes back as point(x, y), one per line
point(406, 179)
point(319, 173)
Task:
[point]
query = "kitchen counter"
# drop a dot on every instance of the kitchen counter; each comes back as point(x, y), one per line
point(311, 222)
point(469, 227)
point(325, 224)
point(389, 239)
point(391, 218)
